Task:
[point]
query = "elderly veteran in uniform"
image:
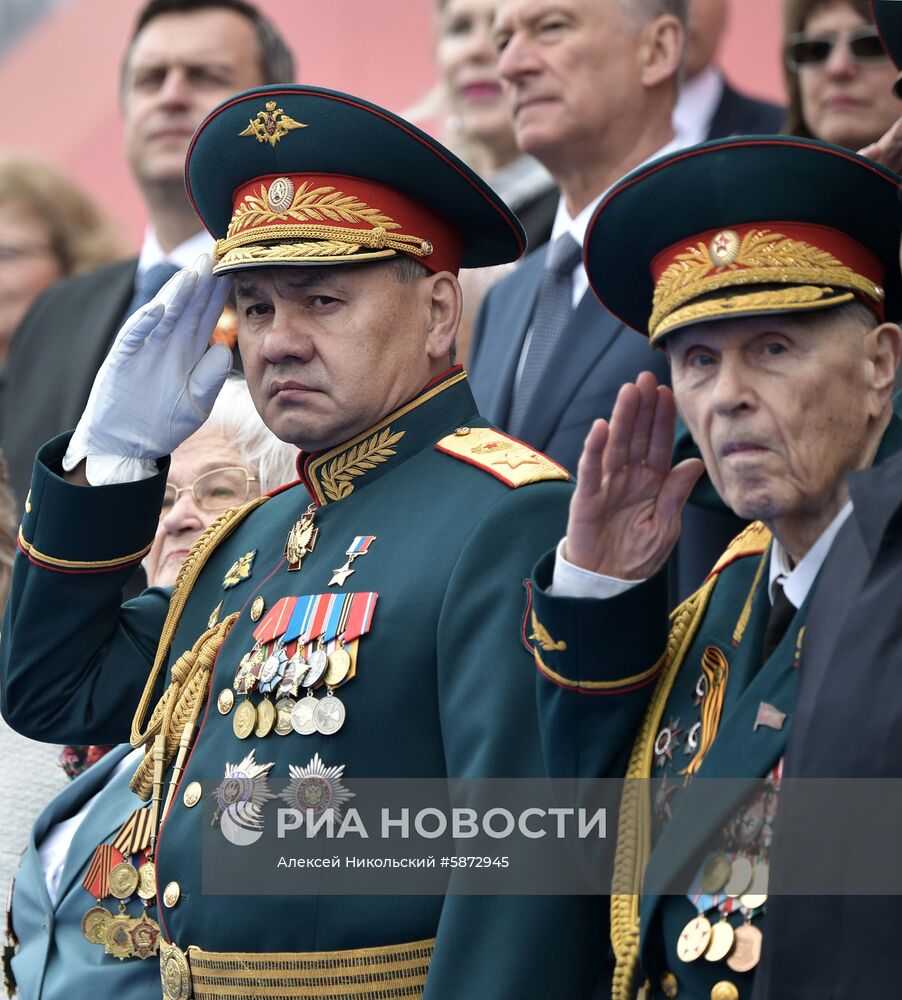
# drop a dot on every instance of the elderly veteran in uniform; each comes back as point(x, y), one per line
point(766, 278)
point(343, 227)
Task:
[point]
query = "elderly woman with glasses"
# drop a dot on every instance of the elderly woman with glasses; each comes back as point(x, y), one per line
point(839, 76)
point(73, 917)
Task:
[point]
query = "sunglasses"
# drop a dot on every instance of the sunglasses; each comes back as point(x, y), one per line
point(864, 46)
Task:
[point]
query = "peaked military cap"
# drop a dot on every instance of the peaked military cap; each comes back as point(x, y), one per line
point(297, 175)
point(888, 18)
point(743, 227)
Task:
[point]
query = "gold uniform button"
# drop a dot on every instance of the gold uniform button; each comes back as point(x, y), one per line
point(257, 609)
point(172, 892)
point(669, 985)
point(225, 701)
point(192, 794)
point(724, 990)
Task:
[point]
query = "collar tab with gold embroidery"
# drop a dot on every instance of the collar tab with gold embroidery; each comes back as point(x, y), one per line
point(747, 226)
point(302, 176)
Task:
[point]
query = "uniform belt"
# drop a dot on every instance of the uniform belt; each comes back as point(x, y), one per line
point(397, 970)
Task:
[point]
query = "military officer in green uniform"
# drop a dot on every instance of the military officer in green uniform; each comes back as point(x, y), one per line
point(767, 276)
point(369, 616)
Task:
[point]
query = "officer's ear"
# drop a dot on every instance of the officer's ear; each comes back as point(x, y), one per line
point(444, 305)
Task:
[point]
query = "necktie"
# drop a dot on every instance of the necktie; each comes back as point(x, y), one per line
point(781, 614)
point(148, 283)
point(554, 304)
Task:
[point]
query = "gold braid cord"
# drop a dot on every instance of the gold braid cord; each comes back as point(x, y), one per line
point(764, 257)
point(181, 701)
point(634, 825)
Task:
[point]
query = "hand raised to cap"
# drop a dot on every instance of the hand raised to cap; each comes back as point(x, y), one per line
point(626, 510)
point(158, 382)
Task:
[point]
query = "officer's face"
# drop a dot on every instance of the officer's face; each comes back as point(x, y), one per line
point(179, 68)
point(782, 408)
point(328, 351)
point(574, 74)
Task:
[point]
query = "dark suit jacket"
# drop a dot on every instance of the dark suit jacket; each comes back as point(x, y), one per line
point(595, 355)
point(738, 114)
point(54, 357)
point(848, 724)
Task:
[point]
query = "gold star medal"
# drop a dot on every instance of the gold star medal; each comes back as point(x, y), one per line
point(360, 546)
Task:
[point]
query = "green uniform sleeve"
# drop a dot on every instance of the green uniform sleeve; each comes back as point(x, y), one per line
point(498, 946)
point(74, 660)
point(597, 664)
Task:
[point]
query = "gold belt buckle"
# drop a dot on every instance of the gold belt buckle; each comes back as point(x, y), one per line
point(174, 972)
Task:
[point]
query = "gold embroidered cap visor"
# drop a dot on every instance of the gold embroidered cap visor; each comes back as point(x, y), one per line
point(747, 226)
point(297, 175)
point(887, 15)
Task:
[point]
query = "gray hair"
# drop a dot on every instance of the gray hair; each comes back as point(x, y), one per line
point(648, 10)
point(235, 417)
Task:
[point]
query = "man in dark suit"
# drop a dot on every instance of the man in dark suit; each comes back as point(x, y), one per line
point(708, 106)
point(592, 86)
point(184, 57)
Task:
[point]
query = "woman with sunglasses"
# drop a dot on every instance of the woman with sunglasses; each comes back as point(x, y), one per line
point(66, 926)
point(838, 74)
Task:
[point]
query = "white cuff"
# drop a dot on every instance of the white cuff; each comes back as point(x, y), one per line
point(105, 470)
point(574, 581)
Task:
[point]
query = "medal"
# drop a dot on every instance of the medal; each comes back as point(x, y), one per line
point(245, 720)
point(117, 941)
point(715, 874)
point(266, 718)
point(284, 708)
point(339, 663)
point(756, 895)
point(123, 880)
point(360, 546)
point(239, 801)
point(225, 701)
point(746, 948)
point(94, 924)
point(317, 788)
point(301, 539)
point(694, 939)
point(302, 716)
point(667, 742)
point(740, 878)
point(329, 715)
point(147, 880)
point(721, 941)
point(316, 667)
point(145, 937)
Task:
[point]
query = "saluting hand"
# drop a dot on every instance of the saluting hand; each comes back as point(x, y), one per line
point(159, 381)
point(625, 513)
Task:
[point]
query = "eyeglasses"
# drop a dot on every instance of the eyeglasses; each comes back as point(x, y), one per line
point(864, 46)
point(214, 490)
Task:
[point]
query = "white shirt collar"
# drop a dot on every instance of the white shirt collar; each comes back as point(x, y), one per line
point(563, 223)
point(796, 582)
point(184, 255)
point(696, 105)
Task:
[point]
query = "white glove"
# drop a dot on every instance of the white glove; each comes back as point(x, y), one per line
point(157, 384)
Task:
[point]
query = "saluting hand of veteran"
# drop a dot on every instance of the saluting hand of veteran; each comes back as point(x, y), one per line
point(158, 382)
point(625, 512)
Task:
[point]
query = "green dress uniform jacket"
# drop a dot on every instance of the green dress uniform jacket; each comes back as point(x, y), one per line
point(443, 685)
point(617, 696)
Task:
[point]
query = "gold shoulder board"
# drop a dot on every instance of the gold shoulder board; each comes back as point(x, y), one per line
point(507, 459)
